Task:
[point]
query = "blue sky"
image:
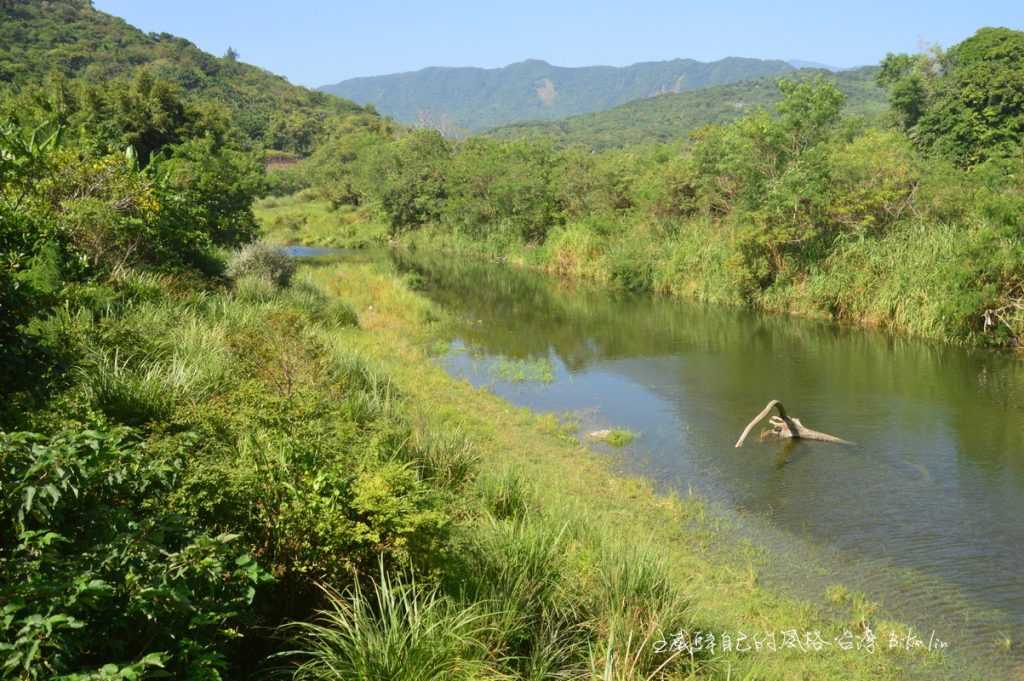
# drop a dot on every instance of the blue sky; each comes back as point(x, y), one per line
point(316, 42)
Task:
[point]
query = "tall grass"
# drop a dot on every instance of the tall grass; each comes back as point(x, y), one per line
point(629, 660)
point(446, 457)
point(304, 218)
point(143, 362)
point(371, 392)
point(255, 289)
point(306, 298)
point(517, 568)
point(399, 631)
point(917, 279)
point(632, 602)
point(958, 283)
point(505, 495)
point(139, 391)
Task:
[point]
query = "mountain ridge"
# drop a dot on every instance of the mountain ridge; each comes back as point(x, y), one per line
point(472, 99)
point(672, 116)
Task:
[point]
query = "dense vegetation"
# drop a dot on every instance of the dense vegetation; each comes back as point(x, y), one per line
point(63, 40)
point(910, 219)
point(205, 474)
point(193, 454)
point(673, 116)
point(461, 100)
point(208, 470)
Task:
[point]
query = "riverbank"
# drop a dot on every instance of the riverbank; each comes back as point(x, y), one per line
point(571, 487)
point(915, 280)
point(288, 434)
point(909, 282)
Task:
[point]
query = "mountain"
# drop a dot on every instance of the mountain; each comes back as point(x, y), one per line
point(71, 40)
point(474, 99)
point(672, 116)
point(804, 64)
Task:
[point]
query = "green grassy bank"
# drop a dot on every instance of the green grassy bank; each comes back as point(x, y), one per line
point(623, 565)
point(304, 219)
point(273, 475)
point(916, 280)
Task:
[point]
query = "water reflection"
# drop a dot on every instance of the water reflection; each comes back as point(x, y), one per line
point(935, 483)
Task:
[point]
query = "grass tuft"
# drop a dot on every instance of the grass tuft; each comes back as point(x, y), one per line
point(398, 632)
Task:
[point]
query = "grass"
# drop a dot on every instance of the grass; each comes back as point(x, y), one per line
point(620, 438)
point(539, 370)
point(579, 568)
point(401, 631)
point(504, 494)
point(303, 218)
point(910, 280)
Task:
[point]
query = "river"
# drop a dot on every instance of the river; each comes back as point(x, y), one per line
point(924, 514)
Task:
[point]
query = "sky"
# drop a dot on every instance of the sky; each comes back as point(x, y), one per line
point(318, 42)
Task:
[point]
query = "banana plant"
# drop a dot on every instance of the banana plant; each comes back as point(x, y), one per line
point(23, 158)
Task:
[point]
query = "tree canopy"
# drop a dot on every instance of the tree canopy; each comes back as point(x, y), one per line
point(967, 103)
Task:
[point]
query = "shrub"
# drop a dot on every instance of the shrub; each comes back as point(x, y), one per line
point(97, 576)
point(871, 181)
point(211, 188)
point(264, 262)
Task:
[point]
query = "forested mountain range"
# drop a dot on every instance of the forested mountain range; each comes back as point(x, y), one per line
point(474, 99)
point(69, 40)
point(672, 116)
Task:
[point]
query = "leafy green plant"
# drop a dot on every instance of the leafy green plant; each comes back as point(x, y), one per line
point(98, 575)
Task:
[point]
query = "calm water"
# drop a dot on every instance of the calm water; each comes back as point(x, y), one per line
point(925, 513)
point(310, 251)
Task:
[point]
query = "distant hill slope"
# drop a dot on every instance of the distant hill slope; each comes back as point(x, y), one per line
point(70, 38)
point(474, 99)
point(804, 64)
point(673, 116)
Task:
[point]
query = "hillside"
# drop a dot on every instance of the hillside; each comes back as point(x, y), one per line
point(70, 38)
point(474, 99)
point(671, 116)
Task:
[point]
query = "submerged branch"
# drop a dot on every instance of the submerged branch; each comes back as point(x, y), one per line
point(785, 427)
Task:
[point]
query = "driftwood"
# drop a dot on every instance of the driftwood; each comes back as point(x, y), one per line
point(784, 426)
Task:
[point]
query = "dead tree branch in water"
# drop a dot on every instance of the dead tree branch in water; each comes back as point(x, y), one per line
point(784, 426)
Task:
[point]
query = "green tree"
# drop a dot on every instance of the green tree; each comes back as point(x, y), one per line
point(210, 191)
point(146, 114)
point(503, 185)
point(410, 178)
point(966, 104)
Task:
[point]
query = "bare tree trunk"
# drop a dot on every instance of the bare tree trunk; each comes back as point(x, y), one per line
point(785, 427)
